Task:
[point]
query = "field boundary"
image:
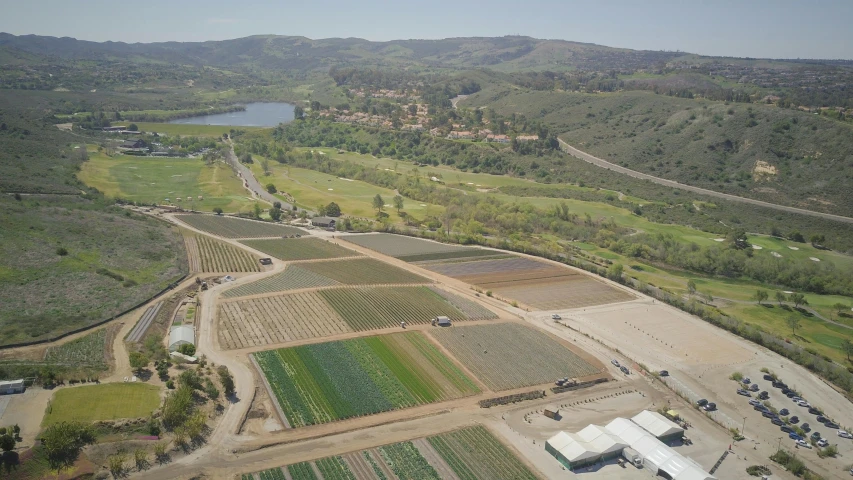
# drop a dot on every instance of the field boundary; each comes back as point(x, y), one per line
point(270, 393)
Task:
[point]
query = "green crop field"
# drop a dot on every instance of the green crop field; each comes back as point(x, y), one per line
point(369, 308)
point(153, 180)
point(230, 227)
point(89, 350)
point(331, 381)
point(510, 355)
point(215, 256)
point(300, 249)
point(471, 453)
point(108, 401)
point(310, 189)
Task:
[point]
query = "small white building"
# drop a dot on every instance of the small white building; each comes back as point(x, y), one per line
point(443, 321)
point(11, 386)
point(180, 335)
point(658, 425)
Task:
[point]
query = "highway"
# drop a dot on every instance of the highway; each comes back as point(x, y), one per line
point(670, 183)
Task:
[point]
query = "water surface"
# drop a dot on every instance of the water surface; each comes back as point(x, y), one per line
point(262, 114)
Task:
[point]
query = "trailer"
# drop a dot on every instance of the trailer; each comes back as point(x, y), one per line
point(632, 456)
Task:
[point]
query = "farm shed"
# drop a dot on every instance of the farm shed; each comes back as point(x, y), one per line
point(443, 321)
point(324, 222)
point(11, 386)
point(180, 335)
point(661, 427)
point(589, 446)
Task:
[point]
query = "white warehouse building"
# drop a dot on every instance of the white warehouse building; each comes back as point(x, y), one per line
point(643, 434)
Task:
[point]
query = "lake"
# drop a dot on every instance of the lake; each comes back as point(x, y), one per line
point(260, 114)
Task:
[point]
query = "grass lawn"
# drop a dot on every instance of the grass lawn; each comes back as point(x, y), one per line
point(189, 130)
point(150, 180)
point(311, 188)
point(102, 402)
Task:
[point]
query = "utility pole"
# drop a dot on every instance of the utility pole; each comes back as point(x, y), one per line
point(743, 428)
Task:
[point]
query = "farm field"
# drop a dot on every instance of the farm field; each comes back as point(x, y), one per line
point(150, 180)
point(324, 382)
point(300, 249)
point(230, 227)
point(216, 256)
point(245, 323)
point(108, 401)
point(537, 284)
point(471, 309)
point(87, 351)
point(401, 245)
point(471, 453)
point(509, 355)
point(361, 271)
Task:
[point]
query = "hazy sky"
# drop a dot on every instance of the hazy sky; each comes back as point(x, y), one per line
point(755, 28)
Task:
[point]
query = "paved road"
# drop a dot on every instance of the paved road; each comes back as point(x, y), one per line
point(254, 186)
point(670, 183)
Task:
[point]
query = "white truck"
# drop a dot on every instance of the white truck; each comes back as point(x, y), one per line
point(632, 456)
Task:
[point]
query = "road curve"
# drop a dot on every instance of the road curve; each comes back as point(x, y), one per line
point(711, 193)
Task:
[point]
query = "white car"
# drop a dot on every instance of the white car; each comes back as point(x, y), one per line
point(822, 443)
point(803, 444)
point(556, 317)
point(844, 434)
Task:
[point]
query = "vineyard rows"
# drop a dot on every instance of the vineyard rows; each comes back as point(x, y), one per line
point(292, 278)
point(471, 309)
point(218, 256)
point(192, 253)
point(300, 248)
point(230, 227)
point(335, 380)
point(89, 351)
point(364, 271)
point(460, 255)
point(508, 355)
point(515, 264)
point(277, 319)
point(385, 307)
point(471, 453)
point(400, 245)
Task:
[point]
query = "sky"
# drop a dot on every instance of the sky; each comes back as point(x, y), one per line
point(751, 28)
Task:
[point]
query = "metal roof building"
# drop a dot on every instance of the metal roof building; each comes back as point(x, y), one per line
point(658, 425)
point(11, 386)
point(180, 335)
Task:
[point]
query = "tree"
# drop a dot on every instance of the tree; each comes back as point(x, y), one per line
point(780, 297)
point(7, 442)
point(133, 127)
point(321, 211)
point(257, 210)
point(275, 214)
point(217, 211)
point(378, 203)
point(226, 379)
point(138, 361)
point(333, 210)
point(265, 166)
point(796, 236)
point(398, 203)
point(840, 308)
point(63, 441)
point(298, 113)
point(615, 272)
point(691, 286)
point(798, 299)
point(760, 296)
point(738, 239)
point(271, 188)
point(847, 347)
point(794, 322)
point(817, 240)
point(709, 298)
point(187, 349)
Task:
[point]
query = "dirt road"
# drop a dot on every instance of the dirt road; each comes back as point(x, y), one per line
point(670, 183)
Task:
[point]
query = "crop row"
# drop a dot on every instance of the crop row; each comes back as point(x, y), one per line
point(220, 257)
point(510, 355)
point(466, 254)
point(400, 245)
point(230, 227)
point(384, 307)
point(487, 266)
point(292, 278)
point(475, 454)
point(472, 453)
point(272, 474)
point(335, 380)
point(300, 248)
point(364, 271)
point(471, 309)
point(85, 351)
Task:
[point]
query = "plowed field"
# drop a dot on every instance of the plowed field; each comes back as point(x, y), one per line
point(230, 227)
point(300, 248)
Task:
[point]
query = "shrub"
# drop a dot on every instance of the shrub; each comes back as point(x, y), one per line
point(757, 470)
point(61, 251)
point(187, 349)
point(736, 376)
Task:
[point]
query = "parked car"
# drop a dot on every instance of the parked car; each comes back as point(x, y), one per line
point(710, 407)
point(754, 402)
point(556, 317)
point(803, 403)
point(832, 425)
point(615, 362)
point(795, 419)
point(844, 434)
point(769, 414)
point(743, 392)
point(778, 422)
point(821, 419)
point(815, 436)
point(753, 387)
point(822, 443)
point(815, 411)
point(760, 408)
point(794, 436)
point(796, 399)
point(806, 427)
point(787, 429)
point(784, 412)
point(778, 385)
point(791, 394)
point(625, 370)
point(746, 381)
point(764, 395)
point(702, 402)
point(767, 376)
point(663, 373)
point(804, 444)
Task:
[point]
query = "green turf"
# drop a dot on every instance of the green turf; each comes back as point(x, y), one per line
point(108, 401)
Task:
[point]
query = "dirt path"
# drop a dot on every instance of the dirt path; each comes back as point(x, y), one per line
point(670, 183)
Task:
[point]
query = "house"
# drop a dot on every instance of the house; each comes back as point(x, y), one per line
point(497, 138)
point(324, 222)
point(527, 138)
point(181, 335)
point(132, 144)
point(12, 386)
point(464, 135)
